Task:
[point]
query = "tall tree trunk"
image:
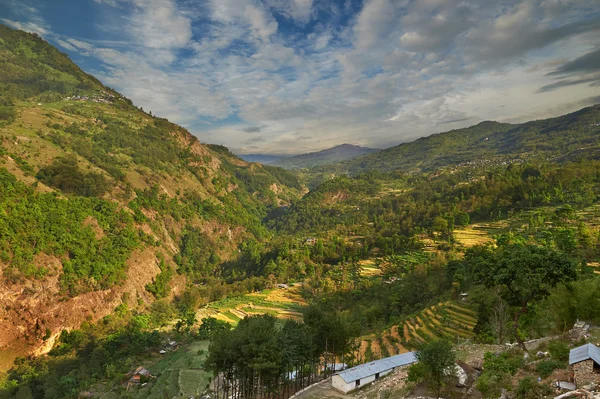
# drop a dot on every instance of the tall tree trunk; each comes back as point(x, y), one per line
point(518, 315)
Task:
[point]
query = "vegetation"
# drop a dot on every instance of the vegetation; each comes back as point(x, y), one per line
point(435, 359)
point(379, 253)
point(59, 227)
point(487, 143)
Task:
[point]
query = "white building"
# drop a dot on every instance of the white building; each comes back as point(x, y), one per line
point(358, 376)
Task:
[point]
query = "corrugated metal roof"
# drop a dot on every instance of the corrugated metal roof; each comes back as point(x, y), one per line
point(378, 366)
point(585, 352)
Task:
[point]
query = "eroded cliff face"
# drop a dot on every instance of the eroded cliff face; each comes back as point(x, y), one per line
point(34, 312)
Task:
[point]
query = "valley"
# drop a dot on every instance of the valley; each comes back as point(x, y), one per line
point(126, 242)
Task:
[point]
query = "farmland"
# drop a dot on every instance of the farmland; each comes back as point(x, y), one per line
point(447, 320)
point(176, 374)
point(283, 303)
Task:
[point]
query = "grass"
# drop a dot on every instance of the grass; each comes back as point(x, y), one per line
point(177, 374)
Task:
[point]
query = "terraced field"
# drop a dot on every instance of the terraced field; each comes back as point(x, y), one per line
point(477, 234)
point(283, 303)
point(447, 320)
point(178, 374)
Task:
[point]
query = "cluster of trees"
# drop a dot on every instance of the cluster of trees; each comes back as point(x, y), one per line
point(7, 110)
point(37, 223)
point(33, 67)
point(260, 358)
point(437, 203)
point(65, 174)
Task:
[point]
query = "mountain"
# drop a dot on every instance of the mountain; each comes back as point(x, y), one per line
point(103, 205)
point(563, 137)
point(331, 155)
point(261, 158)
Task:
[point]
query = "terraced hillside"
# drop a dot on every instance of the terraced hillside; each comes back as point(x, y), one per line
point(447, 320)
point(283, 303)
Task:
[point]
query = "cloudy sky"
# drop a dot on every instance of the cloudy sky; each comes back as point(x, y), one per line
point(291, 76)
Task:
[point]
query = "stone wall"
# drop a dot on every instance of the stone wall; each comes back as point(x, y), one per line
point(584, 373)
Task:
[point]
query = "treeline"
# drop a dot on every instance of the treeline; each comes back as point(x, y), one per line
point(437, 203)
point(261, 358)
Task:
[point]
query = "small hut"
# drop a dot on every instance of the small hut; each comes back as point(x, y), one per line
point(585, 363)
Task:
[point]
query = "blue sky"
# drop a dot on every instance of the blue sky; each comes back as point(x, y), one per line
point(291, 76)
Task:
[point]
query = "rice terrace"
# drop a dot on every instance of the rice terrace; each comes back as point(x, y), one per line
point(284, 302)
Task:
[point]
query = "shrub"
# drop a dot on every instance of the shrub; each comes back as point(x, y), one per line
point(528, 388)
point(546, 367)
point(559, 350)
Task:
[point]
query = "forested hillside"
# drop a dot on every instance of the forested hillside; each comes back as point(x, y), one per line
point(122, 238)
point(101, 201)
point(492, 143)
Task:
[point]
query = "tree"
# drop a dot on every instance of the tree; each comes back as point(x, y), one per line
point(523, 274)
point(499, 319)
point(435, 358)
point(211, 326)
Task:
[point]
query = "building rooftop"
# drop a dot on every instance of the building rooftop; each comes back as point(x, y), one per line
point(378, 366)
point(583, 353)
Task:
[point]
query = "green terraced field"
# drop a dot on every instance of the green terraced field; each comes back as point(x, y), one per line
point(446, 320)
point(178, 374)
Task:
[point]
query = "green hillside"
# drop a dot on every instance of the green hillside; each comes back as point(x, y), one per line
point(491, 143)
point(98, 195)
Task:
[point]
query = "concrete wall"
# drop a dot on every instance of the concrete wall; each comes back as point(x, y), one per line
point(584, 373)
point(338, 382)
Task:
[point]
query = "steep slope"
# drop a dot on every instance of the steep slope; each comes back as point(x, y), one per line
point(103, 204)
point(567, 136)
point(331, 155)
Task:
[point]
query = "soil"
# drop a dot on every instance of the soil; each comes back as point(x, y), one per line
point(34, 312)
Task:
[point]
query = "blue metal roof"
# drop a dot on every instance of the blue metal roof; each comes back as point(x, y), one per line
point(585, 352)
point(378, 366)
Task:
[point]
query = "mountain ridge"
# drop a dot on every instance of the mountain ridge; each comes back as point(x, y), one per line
point(562, 136)
point(108, 204)
point(329, 155)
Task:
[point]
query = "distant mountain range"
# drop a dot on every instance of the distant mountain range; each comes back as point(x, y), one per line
point(565, 137)
point(265, 159)
point(342, 152)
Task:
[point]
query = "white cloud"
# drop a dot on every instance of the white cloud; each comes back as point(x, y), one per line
point(31, 27)
point(377, 75)
point(159, 24)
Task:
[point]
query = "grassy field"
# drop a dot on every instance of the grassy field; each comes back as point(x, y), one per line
point(447, 320)
point(283, 303)
point(179, 374)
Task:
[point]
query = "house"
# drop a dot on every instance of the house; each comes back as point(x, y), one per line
point(358, 376)
point(310, 241)
point(585, 363)
point(137, 376)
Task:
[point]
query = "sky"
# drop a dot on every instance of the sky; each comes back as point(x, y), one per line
point(293, 76)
